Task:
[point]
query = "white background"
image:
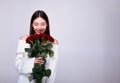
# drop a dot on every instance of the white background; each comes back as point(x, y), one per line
point(88, 32)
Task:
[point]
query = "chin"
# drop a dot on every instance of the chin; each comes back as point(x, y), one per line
point(39, 33)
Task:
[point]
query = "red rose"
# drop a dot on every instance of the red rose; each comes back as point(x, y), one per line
point(43, 36)
point(40, 37)
point(35, 36)
point(29, 39)
point(50, 39)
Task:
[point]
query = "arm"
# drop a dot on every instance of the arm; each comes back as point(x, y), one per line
point(52, 64)
point(22, 63)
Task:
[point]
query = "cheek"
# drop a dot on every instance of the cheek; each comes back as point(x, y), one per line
point(35, 29)
point(44, 28)
point(34, 26)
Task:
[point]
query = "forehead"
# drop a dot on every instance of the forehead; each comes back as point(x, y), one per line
point(39, 19)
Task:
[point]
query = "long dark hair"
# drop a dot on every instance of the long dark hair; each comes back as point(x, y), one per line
point(42, 14)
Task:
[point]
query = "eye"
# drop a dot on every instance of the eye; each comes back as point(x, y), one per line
point(36, 24)
point(43, 24)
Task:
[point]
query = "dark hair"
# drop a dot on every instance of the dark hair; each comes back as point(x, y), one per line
point(42, 14)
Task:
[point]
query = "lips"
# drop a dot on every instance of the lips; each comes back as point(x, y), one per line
point(39, 31)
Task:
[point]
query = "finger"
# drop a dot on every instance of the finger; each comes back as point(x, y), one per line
point(42, 62)
point(40, 58)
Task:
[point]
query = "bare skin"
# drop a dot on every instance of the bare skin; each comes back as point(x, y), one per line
point(39, 60)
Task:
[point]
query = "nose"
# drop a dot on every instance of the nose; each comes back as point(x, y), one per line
point(39, 27)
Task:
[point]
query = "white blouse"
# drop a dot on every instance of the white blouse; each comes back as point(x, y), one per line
point(24, 64)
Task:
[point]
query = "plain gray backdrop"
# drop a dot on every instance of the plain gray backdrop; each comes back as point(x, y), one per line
point(88, 32)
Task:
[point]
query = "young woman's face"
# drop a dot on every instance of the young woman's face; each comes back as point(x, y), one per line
point(39, 25)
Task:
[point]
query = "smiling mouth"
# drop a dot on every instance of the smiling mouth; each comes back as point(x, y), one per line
point(40, 31)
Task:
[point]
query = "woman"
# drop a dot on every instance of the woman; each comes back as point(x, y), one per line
point(39, 24)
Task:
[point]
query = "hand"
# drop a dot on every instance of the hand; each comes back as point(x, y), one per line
point(39, 60)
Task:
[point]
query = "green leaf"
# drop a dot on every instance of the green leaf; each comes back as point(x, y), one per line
point(31, 78)
point(37, 77)
point(51, 53)
point(37, 68)
point(28, 49)
point(43, 43)
point(44, 54)
point(38, 55)
point(48, 72)
point(30, 54)
point(49, 46)
point(42, 48)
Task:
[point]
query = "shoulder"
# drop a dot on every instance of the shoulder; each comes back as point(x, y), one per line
point(56, 41)
point(24, 37)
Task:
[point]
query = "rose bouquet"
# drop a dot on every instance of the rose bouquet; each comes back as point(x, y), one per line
point(40, 46)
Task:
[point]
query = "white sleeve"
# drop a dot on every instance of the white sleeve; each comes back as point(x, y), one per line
point(52, 64)
point(22, 63)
